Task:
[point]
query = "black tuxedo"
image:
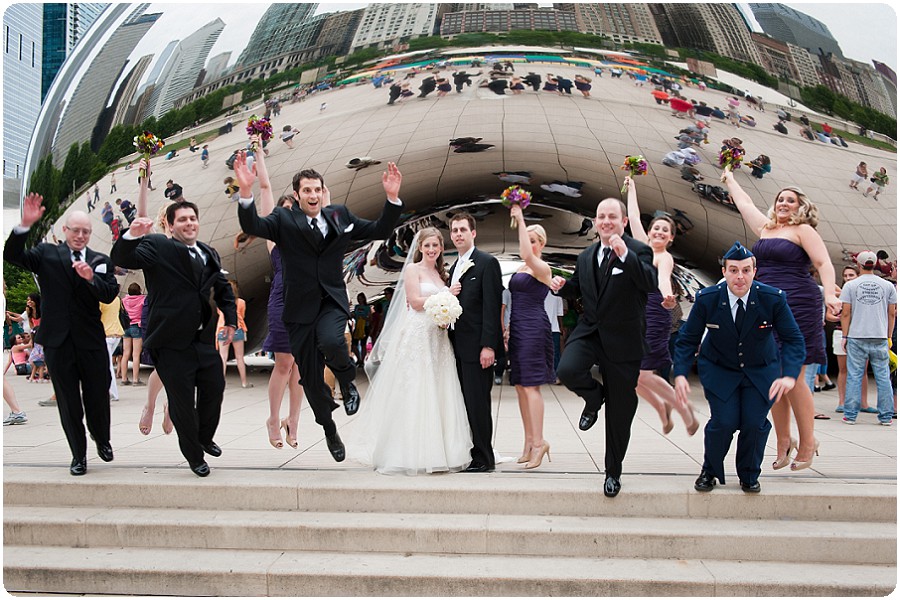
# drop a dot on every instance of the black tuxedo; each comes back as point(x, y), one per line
point(72, 334)
point(609, 333)
point(316, 307)
point(180, 330)
point(478, 327)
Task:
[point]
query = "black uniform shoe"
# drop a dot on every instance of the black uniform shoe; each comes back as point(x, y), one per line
point(478, 468)
point(706, 482)
point(104, 451)
point(611, 487)
point(201, 469)
point(336, 446)
point(351, 399)
point(750, 488)
point(588, 418)
point(79, 466)
point(212, 449)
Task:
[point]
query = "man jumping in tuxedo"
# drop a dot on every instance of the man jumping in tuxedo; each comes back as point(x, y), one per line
point(613, 278)
point(181, 274)
point(477, 335)
point(313, 241)
point(74, 280)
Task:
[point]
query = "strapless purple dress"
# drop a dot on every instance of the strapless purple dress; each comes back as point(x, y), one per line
point(277, 338)
point(530, 337)
point(783, 264)
point(659, 328)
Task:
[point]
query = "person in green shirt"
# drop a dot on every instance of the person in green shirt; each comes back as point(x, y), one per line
point(879, 181)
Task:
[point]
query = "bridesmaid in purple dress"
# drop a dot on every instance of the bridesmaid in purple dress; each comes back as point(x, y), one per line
point(651, 387)
point(788, 245)
point(285, 374)
point(530, 338)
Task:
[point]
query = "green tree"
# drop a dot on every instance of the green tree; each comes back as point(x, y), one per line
point(19, 283)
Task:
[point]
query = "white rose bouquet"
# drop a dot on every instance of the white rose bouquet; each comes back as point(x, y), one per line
point(443, 308)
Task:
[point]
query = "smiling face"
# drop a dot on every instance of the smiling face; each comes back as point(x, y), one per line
point(310, 194)
point(431, 248)
point(610, 219)
point(660, 234)
point(786, 205)
point(739, 275)
point(185, 226)
point(77, 230)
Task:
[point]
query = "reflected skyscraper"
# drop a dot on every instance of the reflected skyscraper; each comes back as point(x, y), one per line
point(277, 32)
point(788, 25)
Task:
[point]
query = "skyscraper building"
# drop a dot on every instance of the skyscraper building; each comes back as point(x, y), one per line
point(384, 25)
point(180, 73)
point(95, 88)
point(499, 21)
point(623, 22)
point(279, 30)
point(22, 30)
point(215, 68)
point(788, 25)
point(64, 26)
point(124, 108)
point(718, 28)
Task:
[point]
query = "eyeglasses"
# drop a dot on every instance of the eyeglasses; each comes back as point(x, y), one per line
point(79, 230)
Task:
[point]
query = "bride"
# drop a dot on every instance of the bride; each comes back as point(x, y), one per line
point(414, 419)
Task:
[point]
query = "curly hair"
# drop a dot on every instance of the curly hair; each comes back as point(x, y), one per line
point(807, 212)
point(426, 234)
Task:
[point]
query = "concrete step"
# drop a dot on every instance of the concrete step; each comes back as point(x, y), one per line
point(512, 535)
point(474, 494)
point(198, 572)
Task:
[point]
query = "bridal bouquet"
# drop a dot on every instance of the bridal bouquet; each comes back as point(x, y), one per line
point(635, 165)
point(729, 158)
point(260, 126)
point(515, 195)
point(148, 145)
point(443, 308)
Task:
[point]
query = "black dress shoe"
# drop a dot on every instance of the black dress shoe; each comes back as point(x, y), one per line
point(79, 466)
point(750, 488)
point(588, 418)
point(104, 451)
point(336, 446)
point(200, 469)
point(478, 468)
point(351, 399)
point(611, 487)
point(706, 482)
point(212, 449)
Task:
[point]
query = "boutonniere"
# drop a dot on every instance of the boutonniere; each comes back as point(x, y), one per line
point(468, 264)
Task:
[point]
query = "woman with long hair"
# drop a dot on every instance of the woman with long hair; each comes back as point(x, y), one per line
point(788, 243)
point(651, 387)
point(132, 339)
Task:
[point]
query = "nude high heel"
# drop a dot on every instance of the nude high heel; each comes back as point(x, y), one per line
point(276, 442)
point(669, 425)
point(797, 466)
point(537, 456)
point(786, 459)
point(526, 455)
point(695, 423)
point(291, 439)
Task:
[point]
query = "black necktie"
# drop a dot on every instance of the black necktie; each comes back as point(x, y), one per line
point(197, 262)
point(314, 223)
point(604, 262)
point(77, 255)
point(739, 315)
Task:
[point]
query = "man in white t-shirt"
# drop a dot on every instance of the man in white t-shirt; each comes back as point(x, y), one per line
point(867, 320)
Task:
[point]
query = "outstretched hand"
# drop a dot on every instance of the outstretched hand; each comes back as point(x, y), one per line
point(557, 283)
point(141, 227)
point(391, 180)
point(32, 209)
point(245, 176)
point(83, 270)
point(781, 387)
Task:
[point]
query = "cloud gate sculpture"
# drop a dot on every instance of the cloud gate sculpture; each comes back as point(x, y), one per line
point(541, 140)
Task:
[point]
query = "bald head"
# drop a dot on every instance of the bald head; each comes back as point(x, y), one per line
point(77, 230)
point(610, 219)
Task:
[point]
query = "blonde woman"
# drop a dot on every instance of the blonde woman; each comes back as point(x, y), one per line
point(788, 243)
point(530, 337)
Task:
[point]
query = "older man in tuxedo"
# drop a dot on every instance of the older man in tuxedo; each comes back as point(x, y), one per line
point(74, 280)
point(182, 274)
point(313, 241)
point(741, 369)
point(613, 278)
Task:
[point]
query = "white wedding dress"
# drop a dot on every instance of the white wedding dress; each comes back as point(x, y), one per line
point(413, 418)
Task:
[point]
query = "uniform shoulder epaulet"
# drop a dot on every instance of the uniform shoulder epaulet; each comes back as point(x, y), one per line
point(708, 290)
point(768, 290)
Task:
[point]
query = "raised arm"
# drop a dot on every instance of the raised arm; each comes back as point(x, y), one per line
point(753, 217)
point(634, 212)
point(142, 187)
point(540, 268)
point(266, 197)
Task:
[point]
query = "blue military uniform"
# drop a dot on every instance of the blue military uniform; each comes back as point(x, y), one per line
point(738, 368)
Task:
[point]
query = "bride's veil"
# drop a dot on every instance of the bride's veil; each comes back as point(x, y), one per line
point(394, 319)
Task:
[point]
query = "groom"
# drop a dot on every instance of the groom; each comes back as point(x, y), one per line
point(476, 336)
point(313, 242)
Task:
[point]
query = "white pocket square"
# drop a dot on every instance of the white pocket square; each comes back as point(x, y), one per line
point(349, 228)
point(101, 268)
point(712, 326)
point(616, 271)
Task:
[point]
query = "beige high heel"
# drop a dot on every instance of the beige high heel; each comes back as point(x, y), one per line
point(669, 425)
point(167, 424)
point(540, 452)
point(526, 456)
point(695, 424)
point(275, 442)
point(797, 466)
point(786, 459)
point(291, 440)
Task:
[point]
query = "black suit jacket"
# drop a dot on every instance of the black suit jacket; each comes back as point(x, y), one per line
point(70, 304)
point(614, 305)
point(313, 271)
point(480, 299)
point(179, 301)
